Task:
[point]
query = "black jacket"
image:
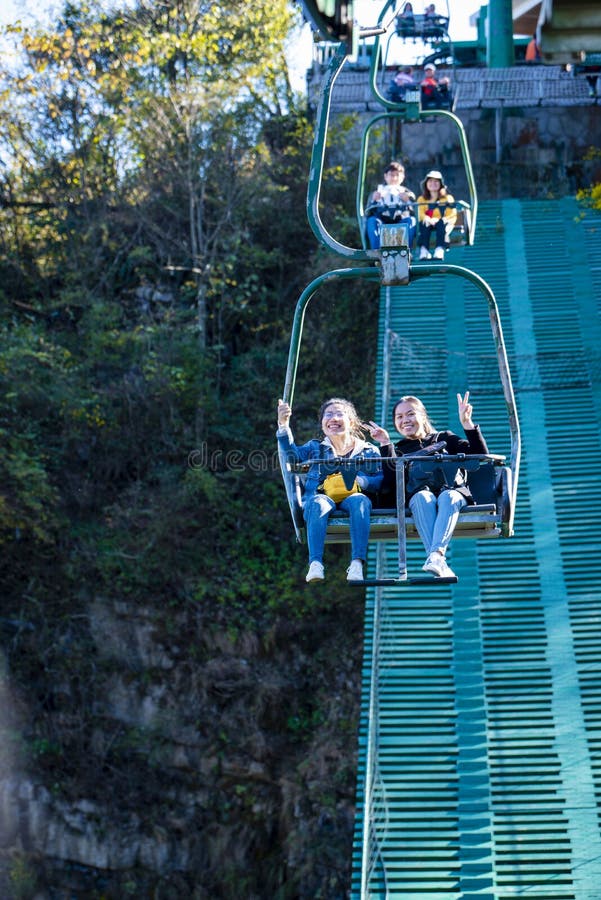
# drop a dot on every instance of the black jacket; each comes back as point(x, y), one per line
point(472, 443)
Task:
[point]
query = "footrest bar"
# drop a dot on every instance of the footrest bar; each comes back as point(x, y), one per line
point(402, 582)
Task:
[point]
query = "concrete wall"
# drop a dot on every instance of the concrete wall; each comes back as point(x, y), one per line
point(540, 151)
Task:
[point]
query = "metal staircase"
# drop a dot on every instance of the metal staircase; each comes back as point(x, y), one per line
point(480, 735)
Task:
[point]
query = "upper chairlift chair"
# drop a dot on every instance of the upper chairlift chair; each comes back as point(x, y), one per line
point(424, 25)
point(410, 110)
point(417, 32)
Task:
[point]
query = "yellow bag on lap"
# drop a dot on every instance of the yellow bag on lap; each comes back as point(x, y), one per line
point(336, 489)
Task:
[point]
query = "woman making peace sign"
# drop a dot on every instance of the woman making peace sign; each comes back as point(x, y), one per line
point(435, 509)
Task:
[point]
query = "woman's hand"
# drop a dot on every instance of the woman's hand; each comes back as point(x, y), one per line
point(465, 410)
point(378, 433)
point(284, 413)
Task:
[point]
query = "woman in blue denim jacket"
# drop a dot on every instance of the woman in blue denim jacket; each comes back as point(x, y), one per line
point(341, 428)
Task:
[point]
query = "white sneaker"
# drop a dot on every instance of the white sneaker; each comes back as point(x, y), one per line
point(433, 564)
point(424, 253)
point(446, 571)
point(439, 253)
point(355, 571)
point(316, 572)
point(437, 564)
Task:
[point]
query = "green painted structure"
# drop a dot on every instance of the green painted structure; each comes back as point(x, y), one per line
point(480, 736)
point(499, 44)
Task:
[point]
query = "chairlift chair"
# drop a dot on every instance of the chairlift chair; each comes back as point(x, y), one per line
point(421, 26)
point(492, 479)
point(411, 112)
point(428, 35)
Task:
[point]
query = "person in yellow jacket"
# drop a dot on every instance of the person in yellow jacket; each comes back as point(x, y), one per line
point(437, 215)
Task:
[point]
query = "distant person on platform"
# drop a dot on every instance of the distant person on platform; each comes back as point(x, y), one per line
point(533, 54)
point(390, 204)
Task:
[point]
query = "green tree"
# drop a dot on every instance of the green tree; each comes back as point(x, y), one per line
point(151, 203)
point(153, 244)
point(160, 107)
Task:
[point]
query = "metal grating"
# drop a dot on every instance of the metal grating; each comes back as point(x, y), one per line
point(484, 723)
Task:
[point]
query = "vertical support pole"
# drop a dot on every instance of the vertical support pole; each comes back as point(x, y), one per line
point(498, 134)
point(400, 515)
point(499, 50)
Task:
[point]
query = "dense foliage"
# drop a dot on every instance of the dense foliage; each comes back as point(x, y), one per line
point(153, 244)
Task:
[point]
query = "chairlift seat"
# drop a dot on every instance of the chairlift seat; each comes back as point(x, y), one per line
point(478, 521)
point(487, 478)
point(459, 235)
point(419, 25)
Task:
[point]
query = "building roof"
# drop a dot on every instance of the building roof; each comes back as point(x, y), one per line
point(516, 86)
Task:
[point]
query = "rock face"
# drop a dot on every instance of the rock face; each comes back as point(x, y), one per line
point(206, 761)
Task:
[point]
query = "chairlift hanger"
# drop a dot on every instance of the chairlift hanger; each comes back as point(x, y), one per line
point(494, 516)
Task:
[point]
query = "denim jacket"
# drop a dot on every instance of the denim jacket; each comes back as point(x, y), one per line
point(370, 477)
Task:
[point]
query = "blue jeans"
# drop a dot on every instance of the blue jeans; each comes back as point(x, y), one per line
point(317, 511)
point(435, 517)
point(374, 227)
